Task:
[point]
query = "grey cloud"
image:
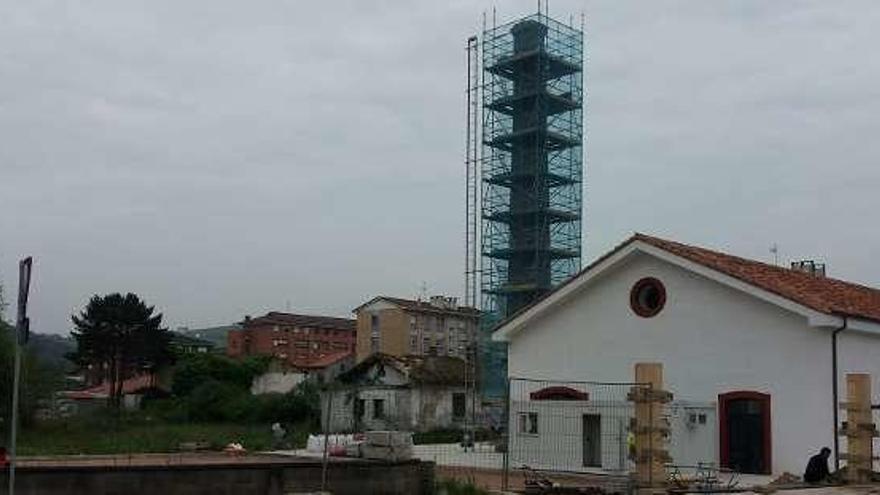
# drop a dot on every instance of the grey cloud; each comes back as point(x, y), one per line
point(226, 157)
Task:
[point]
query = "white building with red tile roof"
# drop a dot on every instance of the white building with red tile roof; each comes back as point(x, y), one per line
point(749, 351)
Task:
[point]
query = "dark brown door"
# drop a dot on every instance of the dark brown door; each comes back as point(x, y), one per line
point(592, 429)
point(744, 424)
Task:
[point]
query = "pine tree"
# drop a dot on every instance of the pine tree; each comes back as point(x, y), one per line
point(122, 337)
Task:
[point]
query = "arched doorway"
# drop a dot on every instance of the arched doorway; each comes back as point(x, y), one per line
point(744, 424)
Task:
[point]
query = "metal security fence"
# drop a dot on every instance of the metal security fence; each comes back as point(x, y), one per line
point(450, 427)
point(572, 433)
point(562, 433)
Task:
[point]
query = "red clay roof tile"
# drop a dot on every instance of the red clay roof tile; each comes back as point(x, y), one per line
point(823, 294)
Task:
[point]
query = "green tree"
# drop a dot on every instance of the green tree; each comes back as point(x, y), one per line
point(6, 358)
point(39, 380)
point(196, 369)
point(121, 336)
point(2, 304)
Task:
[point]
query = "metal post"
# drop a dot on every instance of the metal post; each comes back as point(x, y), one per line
point(326, 441)
point(467, 388)
point(505, 436)
point(472, 366)
point(12, 440)
point(22, 333)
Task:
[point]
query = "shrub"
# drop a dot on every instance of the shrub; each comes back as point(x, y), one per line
point(172, 410)
point(300, 405)
point(219, 401)
point(197, 369)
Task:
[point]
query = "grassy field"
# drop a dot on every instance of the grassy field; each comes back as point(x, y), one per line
point(120, 437)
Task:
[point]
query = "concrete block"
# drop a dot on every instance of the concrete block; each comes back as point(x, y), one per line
point(389, 438)
point(386, 453)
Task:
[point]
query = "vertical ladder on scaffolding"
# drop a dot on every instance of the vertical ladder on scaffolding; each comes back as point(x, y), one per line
point(472, 181)
point(472, 224)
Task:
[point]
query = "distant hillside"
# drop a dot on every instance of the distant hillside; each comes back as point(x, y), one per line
point(51, 349)
point(215, 335)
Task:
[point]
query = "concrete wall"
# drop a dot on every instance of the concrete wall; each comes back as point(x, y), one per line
point(397, 409)
point(355, 478)
point(417, 409)
point(393, 330)
point(363, 336)
point(432, 407)
point(330, 372)
point(711, 339)
point(397, 326)
point(279, 382)
point(445, 334)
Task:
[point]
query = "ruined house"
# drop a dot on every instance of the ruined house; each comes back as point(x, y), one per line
point(411, 393)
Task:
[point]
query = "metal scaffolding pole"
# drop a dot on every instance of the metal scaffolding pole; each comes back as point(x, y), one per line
point(531, 172)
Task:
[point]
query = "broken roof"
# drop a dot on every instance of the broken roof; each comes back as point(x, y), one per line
point(323, 361)
point(422, 370)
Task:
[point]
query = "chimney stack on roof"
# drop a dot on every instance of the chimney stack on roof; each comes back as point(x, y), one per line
point(444, 302)
point(811, 267)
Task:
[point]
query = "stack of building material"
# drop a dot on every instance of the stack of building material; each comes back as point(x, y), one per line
point(336, 444)
point(388, 446)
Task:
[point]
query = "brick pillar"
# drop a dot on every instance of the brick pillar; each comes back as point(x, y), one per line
point(651, 429)
point(860, 430)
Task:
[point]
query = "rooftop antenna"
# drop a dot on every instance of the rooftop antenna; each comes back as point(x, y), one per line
point(423, 291)
point(775, 250)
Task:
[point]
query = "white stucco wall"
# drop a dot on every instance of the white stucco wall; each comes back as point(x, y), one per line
point(559, 443)
point(279, 382)
point(692, 442)
point(711, 339)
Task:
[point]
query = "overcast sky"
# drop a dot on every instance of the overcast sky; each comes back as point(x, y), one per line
point(223, 158)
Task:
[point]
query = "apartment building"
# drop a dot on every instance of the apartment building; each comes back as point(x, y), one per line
point(401, 327)
point(293, 338)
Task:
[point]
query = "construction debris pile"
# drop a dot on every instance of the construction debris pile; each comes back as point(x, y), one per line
point(377, 445)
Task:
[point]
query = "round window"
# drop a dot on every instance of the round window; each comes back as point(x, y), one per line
point(647, 297)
